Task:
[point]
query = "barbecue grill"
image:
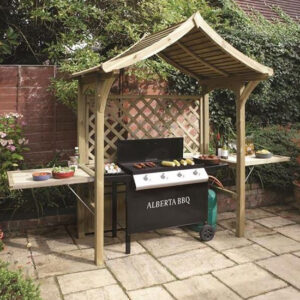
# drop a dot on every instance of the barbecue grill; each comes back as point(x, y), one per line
point(161, 196)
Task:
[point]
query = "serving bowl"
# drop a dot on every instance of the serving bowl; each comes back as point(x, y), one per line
point(62, 175)
point(41, 176)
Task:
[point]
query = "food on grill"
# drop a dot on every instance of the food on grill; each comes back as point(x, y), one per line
point(138, 166)
point(183, 162)
point(142, 165)
point(166, 163)
point(150, 164)
point(189, 162)
point(177, 163)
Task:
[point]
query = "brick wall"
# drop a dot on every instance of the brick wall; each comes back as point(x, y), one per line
point(50, 126)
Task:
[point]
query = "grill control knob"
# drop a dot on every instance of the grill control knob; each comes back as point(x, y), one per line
point(179, 174)
point(163, 176)
point(195, 172)
point(146, 177)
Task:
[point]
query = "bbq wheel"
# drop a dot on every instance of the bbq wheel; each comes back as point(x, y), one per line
point(207, 233)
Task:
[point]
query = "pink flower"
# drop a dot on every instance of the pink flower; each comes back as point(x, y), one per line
point(2, 134)
point(26, 141)
point(3, 142)
point(10, 142)
point(11, 148)
point(23, 123)
point(21, 141)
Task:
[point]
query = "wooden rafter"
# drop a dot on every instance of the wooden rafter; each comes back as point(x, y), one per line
point(179, 67)
point(199, 59)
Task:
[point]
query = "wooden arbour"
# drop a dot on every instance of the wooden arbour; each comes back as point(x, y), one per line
point(197, 50)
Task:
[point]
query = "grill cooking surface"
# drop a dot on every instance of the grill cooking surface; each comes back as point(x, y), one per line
point(129, 167)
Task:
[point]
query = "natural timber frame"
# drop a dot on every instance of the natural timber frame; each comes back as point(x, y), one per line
point(198, 51)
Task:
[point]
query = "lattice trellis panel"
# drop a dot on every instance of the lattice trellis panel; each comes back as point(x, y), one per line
point(146, 117)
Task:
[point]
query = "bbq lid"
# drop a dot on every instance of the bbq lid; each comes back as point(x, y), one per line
point(149, 149)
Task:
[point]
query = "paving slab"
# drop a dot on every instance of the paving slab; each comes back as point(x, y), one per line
point(16, 262)
point(249, 280)
point(257, 213)
point(139, 236)
point(247, 254)
point(110, 292)
point(276, 208)
point(48, 232)
point(252, 229)
point(49, 289)
point(16, 247)
point(226, 215)
point(297, 253)
point(118, 250)
point(63, 263)
point(224, 240)
point(138, 271)
point(200, 287)
point(288, 293)
point(285, 266)
point(81, 281)
point(277, 243)
point(273, 222)
point(293, 215)
point(292, 231)
point(88, 240)
point(156, 292)
point(167, 245)
point(170, 231)
point(47, 246)
point(195, 262)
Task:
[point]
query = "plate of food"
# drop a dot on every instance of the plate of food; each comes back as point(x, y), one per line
point(263, 154)
point(112, 168)
point(62, 172)
point(208, 159)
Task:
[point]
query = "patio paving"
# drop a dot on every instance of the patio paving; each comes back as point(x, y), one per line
point(169, 263)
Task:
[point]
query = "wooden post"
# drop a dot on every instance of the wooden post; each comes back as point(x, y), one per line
point(240, 166)
point(81, 142)
point(201, 143)
point(242, 94)
point(205, 120)
point(102, 90)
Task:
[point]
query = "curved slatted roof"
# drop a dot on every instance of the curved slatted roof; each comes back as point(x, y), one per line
point(194, 48)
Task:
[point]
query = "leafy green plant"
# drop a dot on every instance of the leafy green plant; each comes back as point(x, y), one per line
point(60, 169)
point(14, 286)
point(79, 34)
point(281, 141)
point(12, 146)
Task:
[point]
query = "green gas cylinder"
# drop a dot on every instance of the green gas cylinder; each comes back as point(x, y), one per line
point(212, 213)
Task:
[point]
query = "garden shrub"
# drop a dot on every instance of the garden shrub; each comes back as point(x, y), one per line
point(12, 145)
point(282, 141)
point(13, 286)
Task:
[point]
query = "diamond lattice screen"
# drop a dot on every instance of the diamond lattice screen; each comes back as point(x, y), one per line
point(136, 117)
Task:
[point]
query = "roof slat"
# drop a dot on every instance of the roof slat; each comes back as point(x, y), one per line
point(194, 48)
